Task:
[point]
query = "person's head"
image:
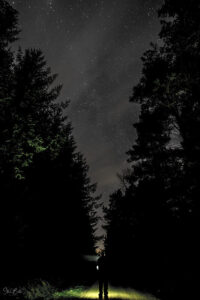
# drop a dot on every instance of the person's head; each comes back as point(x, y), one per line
point(101, 253)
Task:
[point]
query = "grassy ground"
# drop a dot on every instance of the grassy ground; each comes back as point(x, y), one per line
point(43, 290)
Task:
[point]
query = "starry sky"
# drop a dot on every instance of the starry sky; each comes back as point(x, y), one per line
point(95, 46)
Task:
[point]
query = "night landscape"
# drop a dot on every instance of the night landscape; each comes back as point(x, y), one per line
point(99, 149)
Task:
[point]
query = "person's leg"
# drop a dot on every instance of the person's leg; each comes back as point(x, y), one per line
point(100, 288)
point(105, 288)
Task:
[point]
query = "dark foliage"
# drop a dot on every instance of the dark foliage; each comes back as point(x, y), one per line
point(47, 203)
point(153, 224)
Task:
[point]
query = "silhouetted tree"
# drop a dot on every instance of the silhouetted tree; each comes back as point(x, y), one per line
point(47, 207)
point(162, 190)
point(8, 34)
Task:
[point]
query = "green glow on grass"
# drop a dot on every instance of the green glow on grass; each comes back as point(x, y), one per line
point(70, 293)
point(113, 293)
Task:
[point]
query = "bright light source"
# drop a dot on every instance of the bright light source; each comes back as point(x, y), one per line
point(97, 267)
point(92, 258)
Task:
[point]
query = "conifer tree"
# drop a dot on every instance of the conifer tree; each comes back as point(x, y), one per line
point(162, 186)
point(47, 207)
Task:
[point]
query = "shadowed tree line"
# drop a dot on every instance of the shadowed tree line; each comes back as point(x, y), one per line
point(153, 220)
point(47, 201)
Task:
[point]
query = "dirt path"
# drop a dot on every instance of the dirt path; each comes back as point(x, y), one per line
point(116, 293)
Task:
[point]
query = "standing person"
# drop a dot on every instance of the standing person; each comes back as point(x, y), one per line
point(102, 267)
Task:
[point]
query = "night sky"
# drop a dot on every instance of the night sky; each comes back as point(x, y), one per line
point(95, 46)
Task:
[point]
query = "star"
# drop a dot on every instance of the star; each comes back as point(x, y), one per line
point(51, 5)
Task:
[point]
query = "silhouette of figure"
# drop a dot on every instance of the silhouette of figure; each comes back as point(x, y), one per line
point(102, 267)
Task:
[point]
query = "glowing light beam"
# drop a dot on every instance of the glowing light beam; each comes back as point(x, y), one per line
point(113, 293)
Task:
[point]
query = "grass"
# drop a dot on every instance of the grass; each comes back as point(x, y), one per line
point(113, 293)
point(43, 290)
point(39, 290)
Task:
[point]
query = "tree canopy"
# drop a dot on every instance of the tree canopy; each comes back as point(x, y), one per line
point(47, 200)
point(158, 212)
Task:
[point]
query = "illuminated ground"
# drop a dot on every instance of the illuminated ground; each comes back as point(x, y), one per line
point(113, 293)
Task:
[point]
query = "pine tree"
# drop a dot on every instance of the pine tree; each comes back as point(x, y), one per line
point(8, 34)
point(53, 194)
point(163, 187)
point(47, 207)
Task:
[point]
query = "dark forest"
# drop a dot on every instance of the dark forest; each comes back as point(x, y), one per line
point(49, 204)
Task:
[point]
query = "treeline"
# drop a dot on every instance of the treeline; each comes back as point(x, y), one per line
point(47, 214)
point(154, 219)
